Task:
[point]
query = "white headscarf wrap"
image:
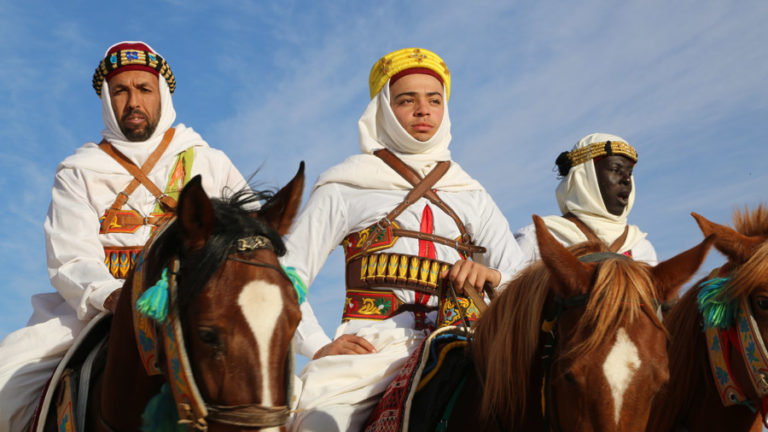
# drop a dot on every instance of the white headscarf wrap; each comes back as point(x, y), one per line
point(379, 129)
point(579, 193)
point(136, 151)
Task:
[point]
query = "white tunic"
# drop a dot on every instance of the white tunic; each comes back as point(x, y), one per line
point(82, 192)
point(526, 237)
point(351, 383)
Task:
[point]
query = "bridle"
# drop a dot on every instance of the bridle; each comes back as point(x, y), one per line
point(191, 407)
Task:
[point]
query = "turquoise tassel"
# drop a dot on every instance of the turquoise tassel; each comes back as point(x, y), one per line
point(154, 302)
point(717, 310)
point(298, 284)
point(160, 414)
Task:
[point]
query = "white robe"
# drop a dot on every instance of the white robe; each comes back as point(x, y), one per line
point(86, 184)
point(339, 391)
point(642, 249)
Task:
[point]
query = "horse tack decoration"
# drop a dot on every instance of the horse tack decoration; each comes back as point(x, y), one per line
point(738, 330)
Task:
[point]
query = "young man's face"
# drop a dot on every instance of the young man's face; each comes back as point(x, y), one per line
point(417, 101)
point(614, 175)
point(135, 99)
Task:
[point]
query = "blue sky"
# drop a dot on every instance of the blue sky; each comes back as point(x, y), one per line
point(276, 82)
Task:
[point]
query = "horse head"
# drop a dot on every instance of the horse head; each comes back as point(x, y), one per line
point(586, 348)
point(612, 348)
point(236, 307)
point(733, 306)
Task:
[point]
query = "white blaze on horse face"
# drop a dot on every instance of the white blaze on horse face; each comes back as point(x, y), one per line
point(619, 368)
point(262, 303)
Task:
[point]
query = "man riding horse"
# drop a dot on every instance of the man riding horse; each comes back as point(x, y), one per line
point(408, 218)
point(595, 195)
point(107, 200)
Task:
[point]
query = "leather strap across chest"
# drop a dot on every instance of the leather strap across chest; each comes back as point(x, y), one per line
point(139, 176)
point(422, 188)
point(591, 236)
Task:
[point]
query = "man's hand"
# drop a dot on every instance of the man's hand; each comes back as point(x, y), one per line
point(111, 302)
point(473, 273)
point(346, 344)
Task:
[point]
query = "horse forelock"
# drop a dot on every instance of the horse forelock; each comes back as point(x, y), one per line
point(622, 291)
point(234, 219)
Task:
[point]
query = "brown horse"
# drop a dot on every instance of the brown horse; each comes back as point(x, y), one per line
point(573, 344)
point(234, 308)
point(692, 400)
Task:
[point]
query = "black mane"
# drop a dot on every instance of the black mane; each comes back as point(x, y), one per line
point(234, 219)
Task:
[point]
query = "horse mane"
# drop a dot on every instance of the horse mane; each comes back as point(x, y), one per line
point(235, 217)
point(752, 223)
point(506, 338)
point(751, 275)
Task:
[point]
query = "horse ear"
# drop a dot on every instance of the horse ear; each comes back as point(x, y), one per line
point(671, 274)
point(283, 207)
point(733, 244)
point(572, 273)
point(195, 214)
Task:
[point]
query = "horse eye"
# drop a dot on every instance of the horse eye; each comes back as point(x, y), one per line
point(570, 378)
point(762, 303)
point(208, 336)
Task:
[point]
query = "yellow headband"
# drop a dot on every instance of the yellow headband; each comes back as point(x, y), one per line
point(566, 160)
point(407, 58)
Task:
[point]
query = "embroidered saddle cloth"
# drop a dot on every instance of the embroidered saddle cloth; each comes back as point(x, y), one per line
point(427, 381)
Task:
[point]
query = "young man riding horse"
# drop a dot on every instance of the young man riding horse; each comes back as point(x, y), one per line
point(408, 217)
point(595, 195)
point(107, 200)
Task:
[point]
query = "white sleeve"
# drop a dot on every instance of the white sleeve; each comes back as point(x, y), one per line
point(503, 252)
point(321, 227)
point(526, 239)
point(220, 176)
point(74, 253)
point(645, 252)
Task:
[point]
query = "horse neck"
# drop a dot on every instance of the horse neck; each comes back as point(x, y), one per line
point(126, 387)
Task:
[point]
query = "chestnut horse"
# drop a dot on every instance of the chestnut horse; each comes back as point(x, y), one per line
point(603, 355)
point(692, 400)
point(232, 307)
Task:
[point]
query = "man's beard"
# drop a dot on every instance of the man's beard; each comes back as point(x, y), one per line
point(139, 133)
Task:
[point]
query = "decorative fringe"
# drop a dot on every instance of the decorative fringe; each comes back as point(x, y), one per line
point(716, 308)
point(298, 284)
point(154, 302)
point(160, 415)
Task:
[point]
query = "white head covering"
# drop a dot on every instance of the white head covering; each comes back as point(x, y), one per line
point(579, 193)
point(379, 129)
point(136, 151)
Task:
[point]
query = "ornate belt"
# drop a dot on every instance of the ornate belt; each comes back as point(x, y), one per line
point(395, 271)
point(121, 260)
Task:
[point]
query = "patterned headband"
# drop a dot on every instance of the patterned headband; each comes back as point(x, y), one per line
point(566, 160)
point(132, 59)
point(398, 61)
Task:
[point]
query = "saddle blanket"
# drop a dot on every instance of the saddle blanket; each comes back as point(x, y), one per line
point(426, 382)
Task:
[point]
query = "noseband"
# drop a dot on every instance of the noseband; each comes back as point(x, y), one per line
point(191, 407)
